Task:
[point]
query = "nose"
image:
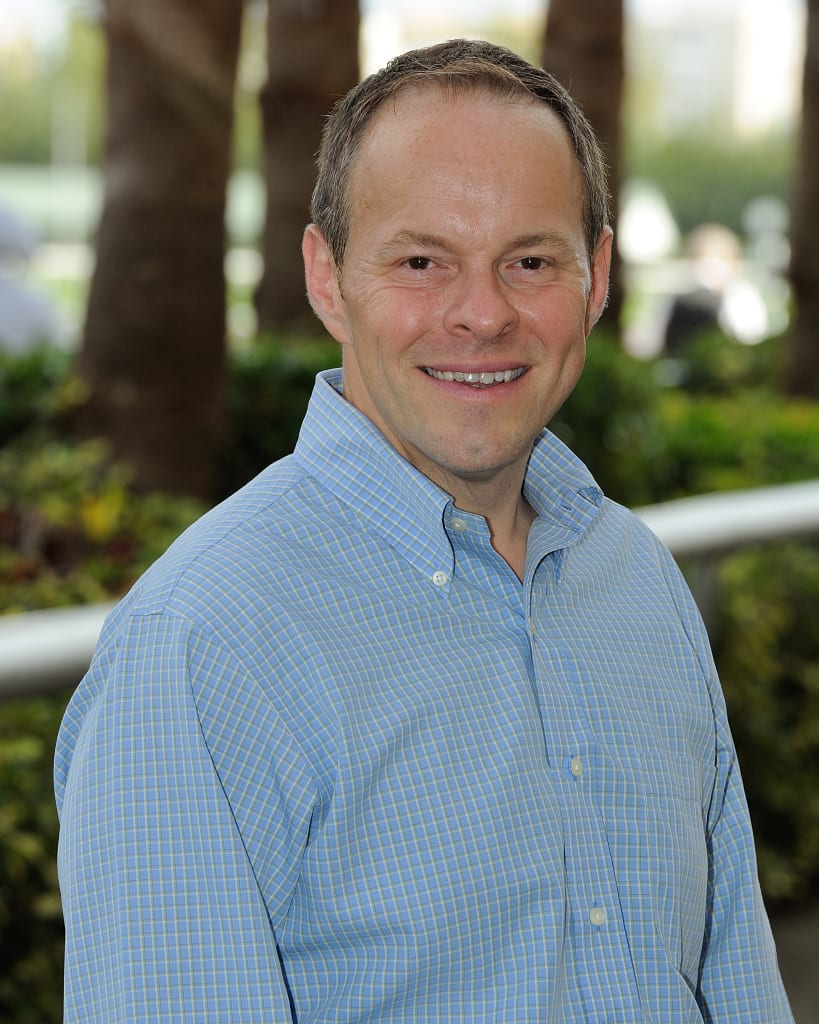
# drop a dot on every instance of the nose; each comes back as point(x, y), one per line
point(480, 306)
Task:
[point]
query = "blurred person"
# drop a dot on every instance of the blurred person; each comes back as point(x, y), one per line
point(27, 318)
point(418, 726)
point(717, 295)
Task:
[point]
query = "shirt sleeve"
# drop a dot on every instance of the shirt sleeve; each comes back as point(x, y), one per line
point(165, 917)
point(739, 974)
point(739, 980)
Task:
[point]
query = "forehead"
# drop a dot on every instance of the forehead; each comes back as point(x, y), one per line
point(422, 119)
point(436, 104)
point(437, 139)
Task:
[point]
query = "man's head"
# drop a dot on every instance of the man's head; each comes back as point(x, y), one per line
point(460, 263)
point(455, 66)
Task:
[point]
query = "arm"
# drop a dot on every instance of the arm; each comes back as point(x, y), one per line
point(739, 981)
point(739, 977)
point(165, 918)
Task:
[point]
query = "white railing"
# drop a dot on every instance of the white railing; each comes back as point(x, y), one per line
point(50, 650)
point(709, 524)
point(45, 651)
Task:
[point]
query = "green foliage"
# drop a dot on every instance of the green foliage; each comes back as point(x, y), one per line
point(71, 530)
point(715, 364)
point(269, 385)
point(36, 388)
point(766, 641)
point(728, 430)
point(752, 439)
point(610, 421)
point(57, 108)
point(25, 121)
point(31, 932)
point(250, 78)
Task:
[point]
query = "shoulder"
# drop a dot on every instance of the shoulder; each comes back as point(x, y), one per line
point(625, 530)
point(236, 556)
point(622, 544)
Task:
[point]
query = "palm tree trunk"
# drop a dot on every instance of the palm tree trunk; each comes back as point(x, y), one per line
point(154, 343)
point(312, 61)
point(583, 48)
point(802, 374)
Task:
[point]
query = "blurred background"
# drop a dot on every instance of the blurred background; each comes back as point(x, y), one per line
point(156, 348)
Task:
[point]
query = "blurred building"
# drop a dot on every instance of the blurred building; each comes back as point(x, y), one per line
point(733, 65)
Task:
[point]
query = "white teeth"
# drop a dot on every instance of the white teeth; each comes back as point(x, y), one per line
point(476, 378)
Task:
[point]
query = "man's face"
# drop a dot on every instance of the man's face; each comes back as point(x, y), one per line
point(466, 292)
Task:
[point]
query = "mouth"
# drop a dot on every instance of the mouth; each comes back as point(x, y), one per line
point(476, 378)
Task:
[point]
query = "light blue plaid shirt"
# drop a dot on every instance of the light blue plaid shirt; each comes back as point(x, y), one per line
point(332, 762)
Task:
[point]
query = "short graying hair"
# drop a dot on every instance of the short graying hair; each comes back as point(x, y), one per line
point(455, 66)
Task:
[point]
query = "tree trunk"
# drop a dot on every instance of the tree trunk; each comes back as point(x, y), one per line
point(583, 48)
point(153, 350)
point(312, 61)
point(802, 374)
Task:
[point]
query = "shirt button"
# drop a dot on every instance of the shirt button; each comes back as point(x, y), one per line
point(458, 524)
point(576, 767)
point(597, 916)
point(440, 578)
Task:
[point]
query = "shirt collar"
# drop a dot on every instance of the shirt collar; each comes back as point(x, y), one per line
point(352, 459)
point(559, 487)
point(566, 498)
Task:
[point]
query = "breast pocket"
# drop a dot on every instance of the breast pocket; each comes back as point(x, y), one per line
point(654, 808)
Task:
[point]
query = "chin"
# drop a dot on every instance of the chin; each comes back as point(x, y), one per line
point(481, 467)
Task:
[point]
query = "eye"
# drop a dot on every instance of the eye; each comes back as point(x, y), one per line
point(418, 263)
point(532, 263)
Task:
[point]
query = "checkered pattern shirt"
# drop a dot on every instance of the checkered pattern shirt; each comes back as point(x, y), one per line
point(333, 762)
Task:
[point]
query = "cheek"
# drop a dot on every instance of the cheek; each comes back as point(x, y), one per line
point(562, 308)
point(401, 316)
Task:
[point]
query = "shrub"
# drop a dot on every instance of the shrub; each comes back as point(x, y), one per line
point(646, 443)
point(752, 439)
point(71, 530)
point(766, 642)
point(611, 421)
point(31, 931)
point(269, 385)
point(35, 389)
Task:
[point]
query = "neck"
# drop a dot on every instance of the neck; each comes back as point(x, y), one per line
point(510, 538)
point(507, 513)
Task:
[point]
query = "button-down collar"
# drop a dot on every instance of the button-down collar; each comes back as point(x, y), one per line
point(363, 470)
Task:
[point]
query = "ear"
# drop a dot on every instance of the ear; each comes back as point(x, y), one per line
point(600, 266)
point(323, 289)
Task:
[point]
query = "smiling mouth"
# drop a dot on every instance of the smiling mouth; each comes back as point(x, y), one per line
point(477, 378)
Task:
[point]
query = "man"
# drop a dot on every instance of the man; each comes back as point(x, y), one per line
point(418, 726)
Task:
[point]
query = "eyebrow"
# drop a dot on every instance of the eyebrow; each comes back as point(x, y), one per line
point(551, 239)
point(422, 240)
point(414, 239)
